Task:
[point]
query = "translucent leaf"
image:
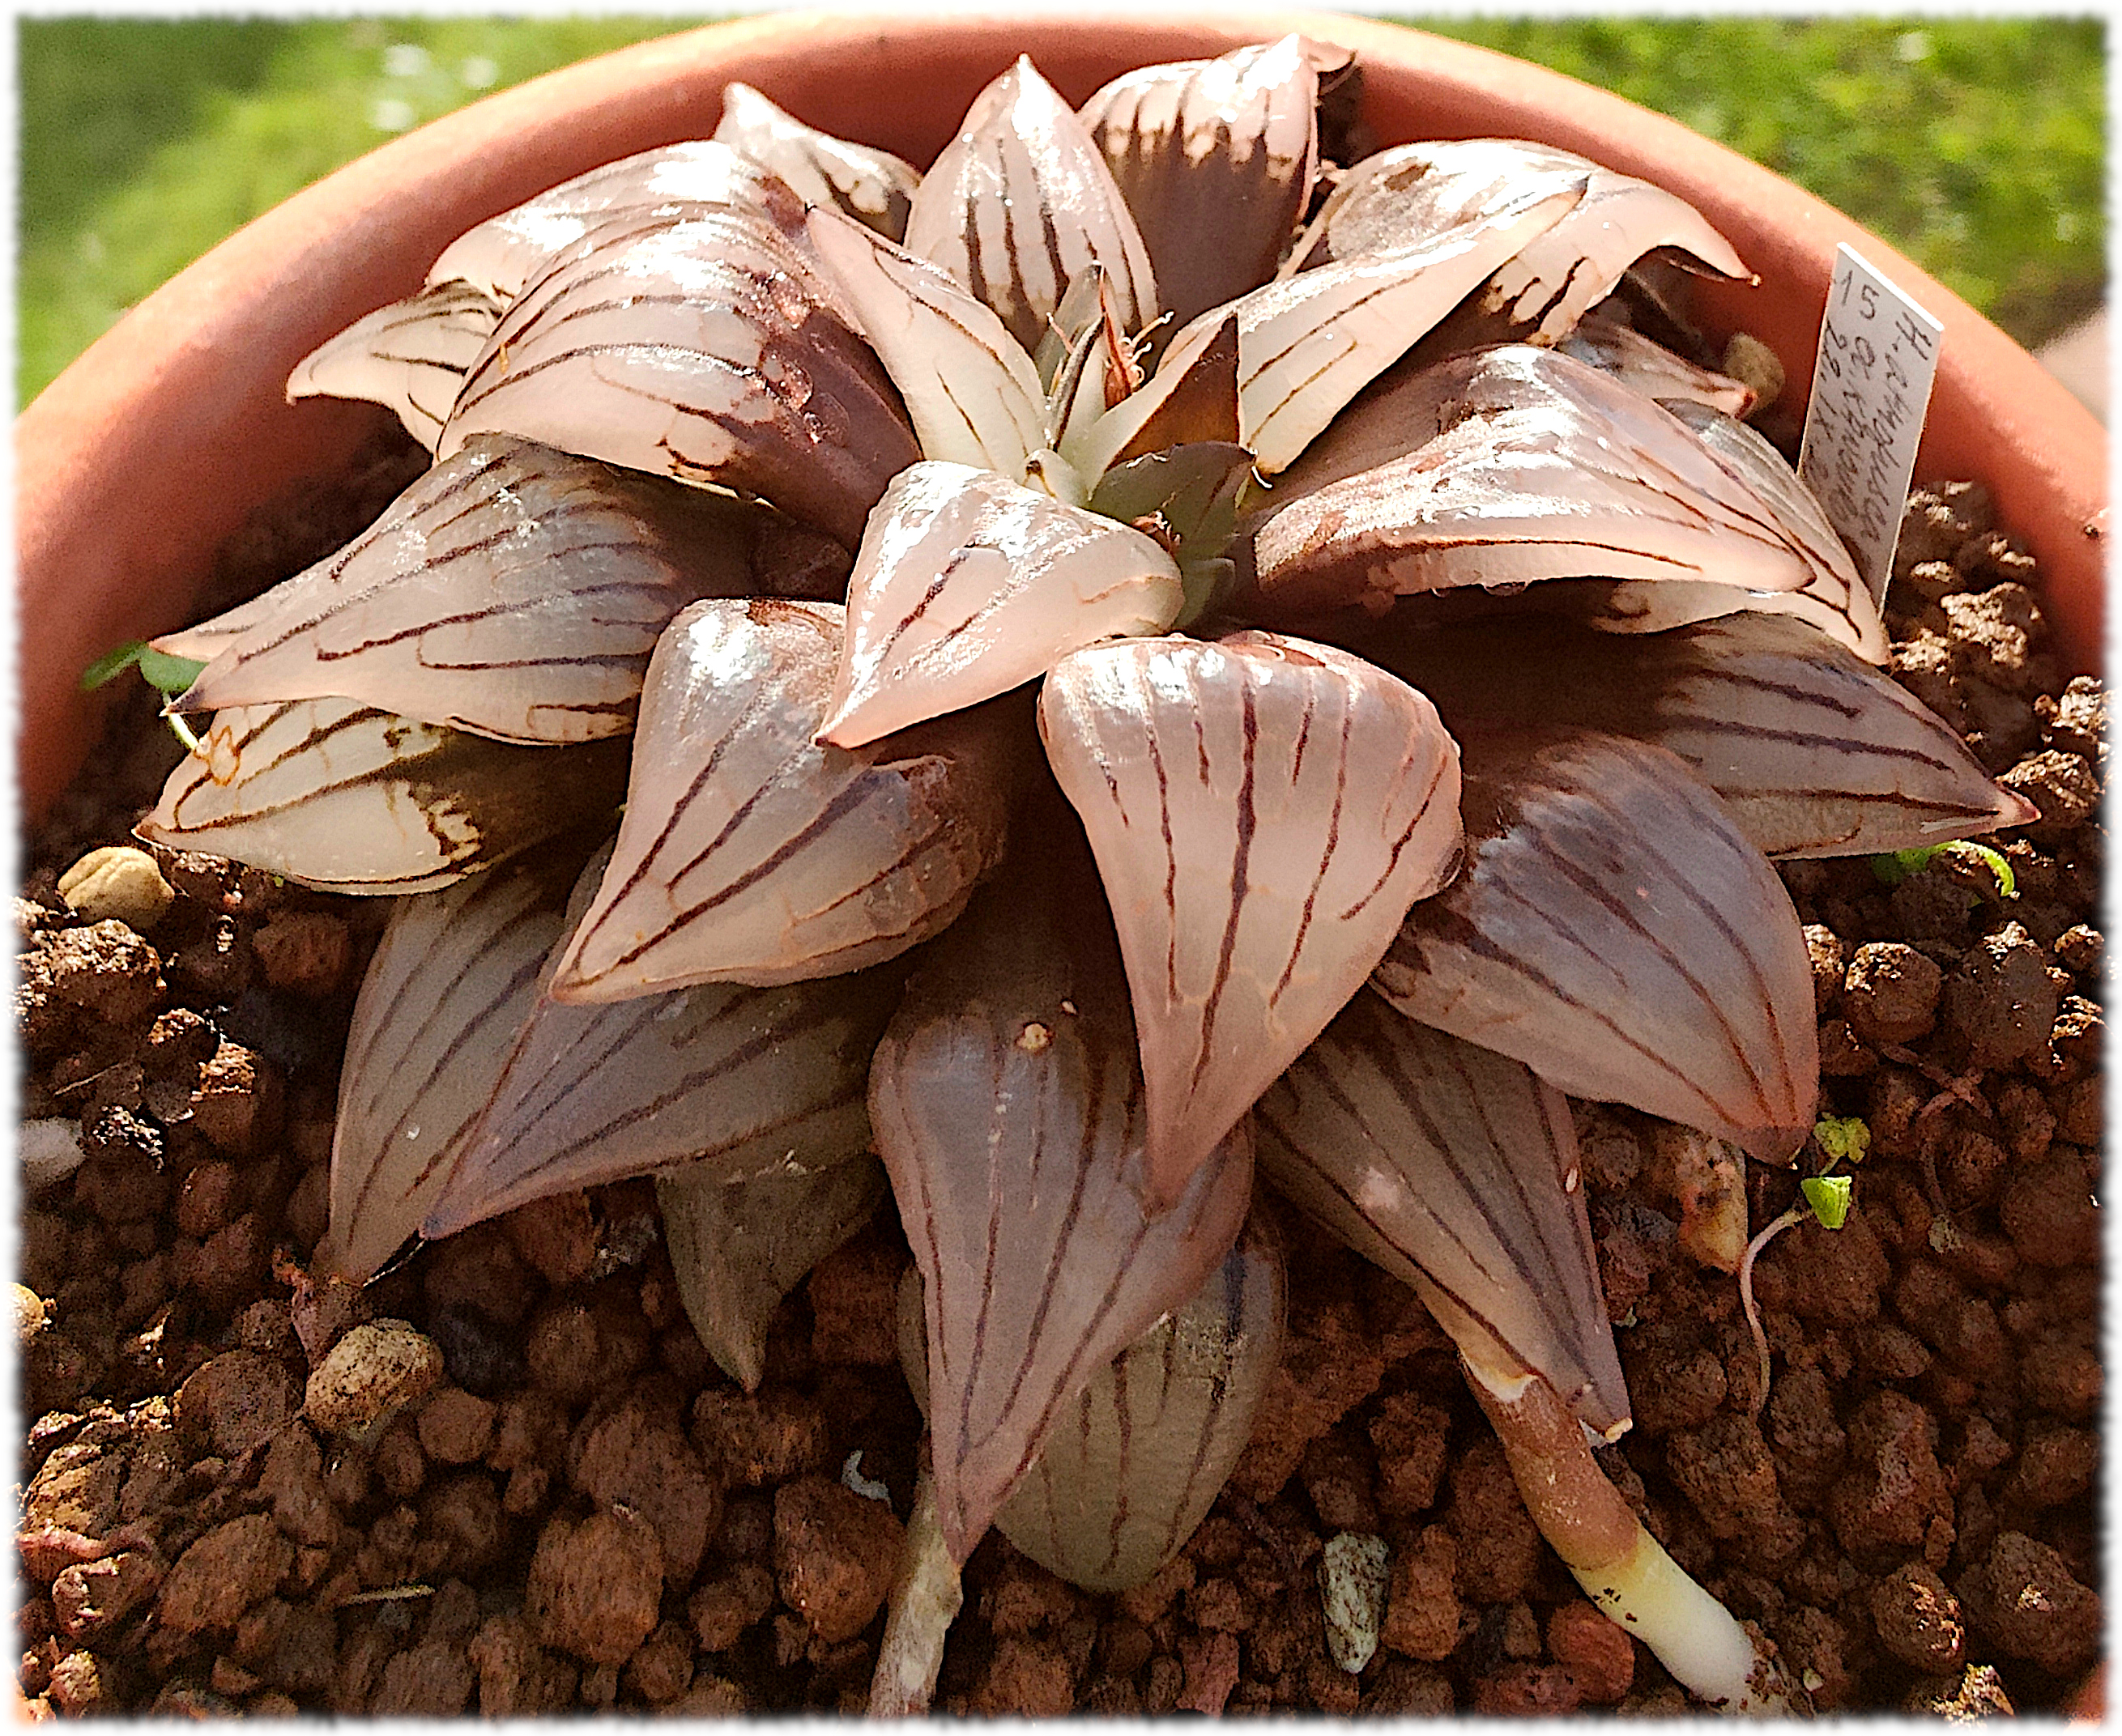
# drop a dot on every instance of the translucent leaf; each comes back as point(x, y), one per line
point(751, 853)
point(1604, 343)
point(1021, 204)
point(737, 1248)
point(973, 393)
point(705, 348)
point(411, 356)
point(1263, 811)
point(1457, 1170)
point(1813, 753)
point(338, 795)
point(1007, 1102)
point(451, 983)
point(1193, 399)
point(1216, 159)
point(968, 585)
point(747, 1081)
point(512, 591)
point(872, 186)
point(1614, 932)
point(1131, 1468)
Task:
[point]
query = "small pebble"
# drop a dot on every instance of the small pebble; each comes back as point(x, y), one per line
point(1353, 1573)
point(369, 1373)
point(118, 883)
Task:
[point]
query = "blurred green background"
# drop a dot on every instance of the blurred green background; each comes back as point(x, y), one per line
point(1977, 145)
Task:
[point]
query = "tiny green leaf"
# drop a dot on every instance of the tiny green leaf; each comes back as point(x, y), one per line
point(1896, 866)
point(1829, 1197)
point(164, 673)
point(1843, 1137)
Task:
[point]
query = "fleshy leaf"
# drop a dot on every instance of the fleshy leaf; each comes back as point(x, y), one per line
point(968, 585)
point(1308, 344)
point(1263, 811)
point(1813, 753)
point(499, 257)
point(1612, 931)
point(746, 1081)
point(751, 853)
point(512, 591)
point(411, 356)
point(1096, 369)
point(1007, 1102)
point(1216, 159)
point(338, 795)
point(1130, 1469)
point(1606, 343)
point(872, 186)
point(737, 1248)
point(705, 348)
point(1413, 191)
point(1525, 466)
point(451, 981)
point(973, 393)
point(1457, 1170)
point(1193, 399)
point(1021, 203)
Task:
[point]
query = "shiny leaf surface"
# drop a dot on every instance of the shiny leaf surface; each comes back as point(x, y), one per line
point(411, 356)
point(872, 186)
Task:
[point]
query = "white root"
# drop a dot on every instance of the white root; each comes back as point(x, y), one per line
point(925, 1597)
point(1619, 1565)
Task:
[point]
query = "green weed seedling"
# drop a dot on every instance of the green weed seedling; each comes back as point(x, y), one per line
point(1825, 1197)
point(1896, 866)
point(169, 676)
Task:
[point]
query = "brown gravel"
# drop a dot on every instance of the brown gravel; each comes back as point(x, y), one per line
point(558, 1503)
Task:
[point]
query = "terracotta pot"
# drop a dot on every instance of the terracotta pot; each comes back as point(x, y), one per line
point(140, 461)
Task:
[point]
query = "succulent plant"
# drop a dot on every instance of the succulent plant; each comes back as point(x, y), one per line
point(1153, 662)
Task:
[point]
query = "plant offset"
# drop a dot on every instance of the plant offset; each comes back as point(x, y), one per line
point(1159, 660)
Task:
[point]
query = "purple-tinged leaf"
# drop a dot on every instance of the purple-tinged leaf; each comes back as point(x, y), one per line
point(968, 585)
point(706, 348)
point(1021, 204)
point(1647, 366)
point(338, 795)
point(750, 853)
point(1131, 1468)
point(1216, 159)
point(872, 186)
point(973, 393)
point(411, 356)
point(1813, 753)
point(512, 591)
point(746, 1081)
point(1613, 930)
point(1007, 1102)
point(1401, 195)
point(1263, 811)
point(737, 1248)
point(1457, 1170)
point(1525, 466)
point(1192, 400)
point(499, 257)
point(452, 980)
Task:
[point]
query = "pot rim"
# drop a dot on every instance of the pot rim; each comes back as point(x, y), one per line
point(153, 425)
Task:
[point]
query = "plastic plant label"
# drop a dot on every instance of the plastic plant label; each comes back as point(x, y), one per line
point(1871, 387)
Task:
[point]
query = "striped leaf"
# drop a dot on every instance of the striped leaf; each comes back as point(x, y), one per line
point(1398, 197)
point(704, 347)
point(744, 1082)
point(1216, 159)
point(750, 853)
point(1263, 811)
point(1085, 359)
point(512, 591)
point(503, 254)
point(452, 982)
point(968, 586)
point(1021, 204)
point(1457, 1170)
point(338, 795)
point(1132, 1466)
point(1606, 343)
point(872, 186)
point(1193, 399)
point(1612, 931)
point(411, 356)
point(737, 1248)
point(1813, 753)
point(1522, 465)
point(971, 390)
point(1008, 1102)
